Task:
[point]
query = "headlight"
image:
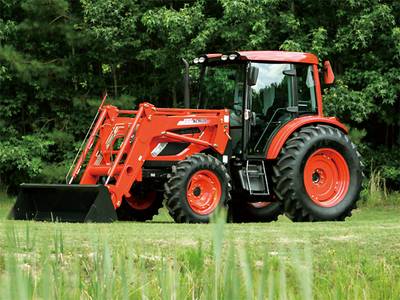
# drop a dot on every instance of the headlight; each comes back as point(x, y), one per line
point(196, 60)
point(202, 59)
point(224, 57)
point(233, 56)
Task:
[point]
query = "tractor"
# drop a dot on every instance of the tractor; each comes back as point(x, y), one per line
point(253, 141)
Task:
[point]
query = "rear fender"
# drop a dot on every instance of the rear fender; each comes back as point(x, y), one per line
point(280, 138)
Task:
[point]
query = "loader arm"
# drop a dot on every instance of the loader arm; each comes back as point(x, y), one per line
point(141, 133)
point(112, 159)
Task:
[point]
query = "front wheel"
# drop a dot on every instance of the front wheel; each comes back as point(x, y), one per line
point(199, 185)
point(318, 175)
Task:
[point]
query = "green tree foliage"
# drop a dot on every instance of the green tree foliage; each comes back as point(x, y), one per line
point(22, 158)
point(111, 28)
point(58, 56)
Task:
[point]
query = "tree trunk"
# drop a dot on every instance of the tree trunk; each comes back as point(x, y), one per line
point(292, 7)
point(114, 75)
point(74, 77)
point(174, 100)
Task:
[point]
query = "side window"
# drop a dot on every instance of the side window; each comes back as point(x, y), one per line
point(306, 89)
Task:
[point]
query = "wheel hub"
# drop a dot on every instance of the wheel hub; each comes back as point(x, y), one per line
point(319, 176)
point(197, 191)
point(315, 177)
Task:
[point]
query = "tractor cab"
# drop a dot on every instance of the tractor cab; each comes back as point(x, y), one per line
point(263, 91)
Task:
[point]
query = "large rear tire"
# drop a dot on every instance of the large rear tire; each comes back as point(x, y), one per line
point(199, 186)
point(143, 205)
point(318, 175)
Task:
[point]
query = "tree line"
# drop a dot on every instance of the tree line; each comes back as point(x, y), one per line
point(57, 57)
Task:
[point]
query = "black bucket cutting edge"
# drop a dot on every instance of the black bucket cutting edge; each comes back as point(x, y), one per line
point(63, 203)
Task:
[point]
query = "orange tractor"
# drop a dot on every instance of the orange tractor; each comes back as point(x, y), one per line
point(255, 142)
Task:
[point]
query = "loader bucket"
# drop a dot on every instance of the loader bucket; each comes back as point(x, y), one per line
point(63, 203)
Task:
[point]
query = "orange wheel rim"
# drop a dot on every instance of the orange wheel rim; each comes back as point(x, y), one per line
point(204, 192)
point(326, 177)
point(142, 202)
point(260, 204)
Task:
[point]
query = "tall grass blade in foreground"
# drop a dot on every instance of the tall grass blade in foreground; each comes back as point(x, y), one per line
point(229, 261)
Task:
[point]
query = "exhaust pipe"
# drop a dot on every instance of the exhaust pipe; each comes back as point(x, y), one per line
point(186, 93)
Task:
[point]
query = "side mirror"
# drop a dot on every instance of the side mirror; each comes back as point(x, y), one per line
point(252, 76)
point(329, 77)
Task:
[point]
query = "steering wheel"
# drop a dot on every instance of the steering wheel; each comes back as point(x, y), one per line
point(237, 108)
point(236, 114)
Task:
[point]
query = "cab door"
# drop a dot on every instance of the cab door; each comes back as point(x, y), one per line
point(282, 92)
point(267, 104)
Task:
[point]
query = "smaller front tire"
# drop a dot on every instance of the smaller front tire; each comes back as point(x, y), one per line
point(199, 186)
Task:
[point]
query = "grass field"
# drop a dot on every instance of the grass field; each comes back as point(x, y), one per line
point(356, 259)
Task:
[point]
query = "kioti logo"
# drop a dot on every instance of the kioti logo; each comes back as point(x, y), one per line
point(190, 121)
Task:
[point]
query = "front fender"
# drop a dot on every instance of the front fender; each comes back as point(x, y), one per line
point(280, 138)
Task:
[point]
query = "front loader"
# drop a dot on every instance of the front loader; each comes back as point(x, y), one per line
point(256, 142)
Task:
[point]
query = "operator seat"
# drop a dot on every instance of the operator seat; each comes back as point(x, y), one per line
point(273, 102)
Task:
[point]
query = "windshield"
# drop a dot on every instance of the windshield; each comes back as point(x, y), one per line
point(222, 86)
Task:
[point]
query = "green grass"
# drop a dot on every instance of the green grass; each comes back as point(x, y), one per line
point(356, 259)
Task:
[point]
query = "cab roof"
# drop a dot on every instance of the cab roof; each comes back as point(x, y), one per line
point(274, 56)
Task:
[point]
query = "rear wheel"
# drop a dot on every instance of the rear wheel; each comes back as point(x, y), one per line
point(199, 185)
point(245, 211)
point(318, 175)
point(142, 205)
